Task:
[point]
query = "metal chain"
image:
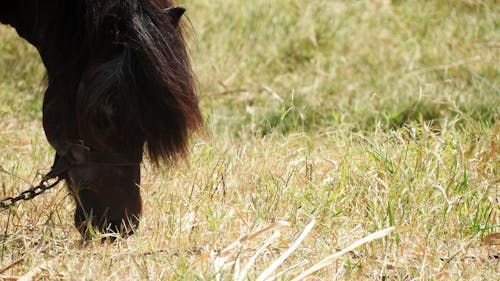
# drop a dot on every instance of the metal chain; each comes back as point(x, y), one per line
point(28, 194)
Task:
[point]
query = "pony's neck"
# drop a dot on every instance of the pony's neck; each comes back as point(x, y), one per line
point(50, 26)
point(28, 17)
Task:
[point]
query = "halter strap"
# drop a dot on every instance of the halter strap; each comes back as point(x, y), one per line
point(80, 155)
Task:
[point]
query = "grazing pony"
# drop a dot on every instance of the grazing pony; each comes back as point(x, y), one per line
point(119, 84)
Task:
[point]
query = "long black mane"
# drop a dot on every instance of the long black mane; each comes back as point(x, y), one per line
point(139, 62)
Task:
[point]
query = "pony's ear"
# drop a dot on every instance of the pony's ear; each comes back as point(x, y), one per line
point(174, 14)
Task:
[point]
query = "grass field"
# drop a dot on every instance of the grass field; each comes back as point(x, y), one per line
point(349, 117)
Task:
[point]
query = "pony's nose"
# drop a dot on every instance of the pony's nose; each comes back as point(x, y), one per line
point(107, 199)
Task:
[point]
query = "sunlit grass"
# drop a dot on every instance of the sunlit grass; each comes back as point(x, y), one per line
point(360, 114)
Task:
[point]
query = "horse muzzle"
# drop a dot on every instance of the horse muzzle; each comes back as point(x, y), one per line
point(105, 186)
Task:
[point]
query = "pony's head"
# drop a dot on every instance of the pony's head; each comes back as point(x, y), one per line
point(119, 82)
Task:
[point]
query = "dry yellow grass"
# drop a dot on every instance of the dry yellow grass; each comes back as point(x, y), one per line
point(358, 116)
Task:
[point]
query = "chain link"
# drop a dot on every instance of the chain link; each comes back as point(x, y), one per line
point(28, 194)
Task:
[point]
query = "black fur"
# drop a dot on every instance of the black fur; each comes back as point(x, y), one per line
point(119, 80)
point(121, 63)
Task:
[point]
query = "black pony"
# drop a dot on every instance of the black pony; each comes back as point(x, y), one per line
point(119, 82)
